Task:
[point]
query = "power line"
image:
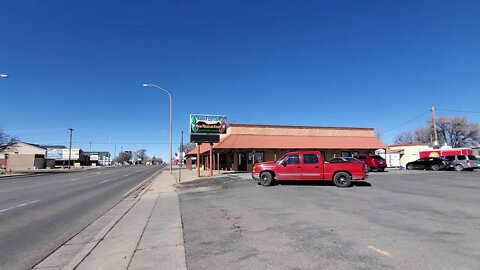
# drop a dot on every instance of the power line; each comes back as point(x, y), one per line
point(406, 122)
point(459, 111)
point(106, 143)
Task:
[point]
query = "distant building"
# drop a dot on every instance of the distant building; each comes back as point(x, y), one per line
point(22, 156)
point(96, 158)
point(408, 152)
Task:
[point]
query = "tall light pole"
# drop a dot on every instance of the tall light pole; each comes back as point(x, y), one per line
point(70, 150)
point(170, 96)
point(109, 154)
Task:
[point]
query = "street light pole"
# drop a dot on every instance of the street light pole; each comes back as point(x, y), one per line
point(170, 96)
point(70, 150)
point(109, 154)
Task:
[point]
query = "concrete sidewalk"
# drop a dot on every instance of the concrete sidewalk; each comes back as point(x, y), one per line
point(145, 233)
point(149, 236)
point(141, 232)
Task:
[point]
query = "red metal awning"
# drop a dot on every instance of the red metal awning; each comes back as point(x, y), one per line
point(237, 141)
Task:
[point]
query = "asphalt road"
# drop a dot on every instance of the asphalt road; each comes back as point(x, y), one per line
point(404, 220)
point(39, 213)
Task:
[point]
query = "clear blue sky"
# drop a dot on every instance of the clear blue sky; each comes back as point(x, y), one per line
point(321, 63)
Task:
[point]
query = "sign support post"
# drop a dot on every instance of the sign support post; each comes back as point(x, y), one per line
point(211, 159)
point(198, 159)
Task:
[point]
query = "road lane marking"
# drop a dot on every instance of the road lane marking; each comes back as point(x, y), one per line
point(127, 174)
point(20, 205)
point(6, 190)
point(382, 252)
point(106, 181)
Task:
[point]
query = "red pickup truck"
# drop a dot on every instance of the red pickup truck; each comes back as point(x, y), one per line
point(308, 165)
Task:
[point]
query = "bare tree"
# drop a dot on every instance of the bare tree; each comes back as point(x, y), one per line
point(457, 132)
point(123, 157)
point(424, 134)
point(156, 160)
point(141, 155)
point(454, 131)
point(406, 137)
point(6, 139)
point(187, 147)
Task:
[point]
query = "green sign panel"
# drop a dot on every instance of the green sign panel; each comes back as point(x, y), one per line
point(208, 124)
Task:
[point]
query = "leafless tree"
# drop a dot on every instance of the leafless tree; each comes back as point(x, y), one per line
point(156, 160)
point(123, 157)
point(406, 137)
point(457, 132)
point(141, 155)
point(6, 139)
point(424, 134)
point(454, 131)
point(187, 147)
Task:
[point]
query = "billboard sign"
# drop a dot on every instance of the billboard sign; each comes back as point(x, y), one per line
point(208, 124)
point(54, 153)
point(75, 153)
point(93, 157)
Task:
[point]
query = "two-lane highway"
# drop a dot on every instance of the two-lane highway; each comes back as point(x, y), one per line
point(39, 213)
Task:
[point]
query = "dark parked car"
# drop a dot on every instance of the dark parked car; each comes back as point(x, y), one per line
point(374, 162)
point(427, 164)
point(462, 162)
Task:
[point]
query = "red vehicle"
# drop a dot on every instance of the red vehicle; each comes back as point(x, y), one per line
point(308, 165)
point(445, 152)
point(373, 162)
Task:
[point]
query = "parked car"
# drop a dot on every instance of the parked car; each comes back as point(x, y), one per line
point(308, 165)
point(344, 159)
point(462, 162)
point(374, 162)
point(427, 164)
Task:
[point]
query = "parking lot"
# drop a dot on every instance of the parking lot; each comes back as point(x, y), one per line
point(396, 220)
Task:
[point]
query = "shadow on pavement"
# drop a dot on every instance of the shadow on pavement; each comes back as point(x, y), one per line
point(318, 183)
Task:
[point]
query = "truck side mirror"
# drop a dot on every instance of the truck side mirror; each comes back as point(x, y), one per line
point(284, 163)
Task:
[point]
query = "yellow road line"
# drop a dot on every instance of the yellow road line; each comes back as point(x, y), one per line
point(384, 253)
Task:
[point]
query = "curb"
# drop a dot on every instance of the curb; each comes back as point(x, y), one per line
point(87, 249)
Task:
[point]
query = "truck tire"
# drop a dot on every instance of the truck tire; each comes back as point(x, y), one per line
point(342, 179)
point(266, 179)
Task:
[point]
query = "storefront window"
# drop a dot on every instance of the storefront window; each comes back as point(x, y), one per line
point(258, 157)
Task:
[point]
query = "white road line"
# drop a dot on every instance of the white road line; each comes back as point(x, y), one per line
point(106, 181)
point(382, 252)
point(7, 190)
point(20, 205)
point(126, 174)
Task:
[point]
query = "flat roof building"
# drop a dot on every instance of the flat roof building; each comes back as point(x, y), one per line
point(246, 144)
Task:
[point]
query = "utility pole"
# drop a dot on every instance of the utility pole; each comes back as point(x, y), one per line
point(90, 146)
point(115, 152)
point(70, 150)
point(180, 158)
point(435, 142)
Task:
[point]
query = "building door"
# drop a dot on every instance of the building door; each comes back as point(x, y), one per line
point(242, 162)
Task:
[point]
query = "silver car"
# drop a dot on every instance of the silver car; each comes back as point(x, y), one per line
point(462, 162)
